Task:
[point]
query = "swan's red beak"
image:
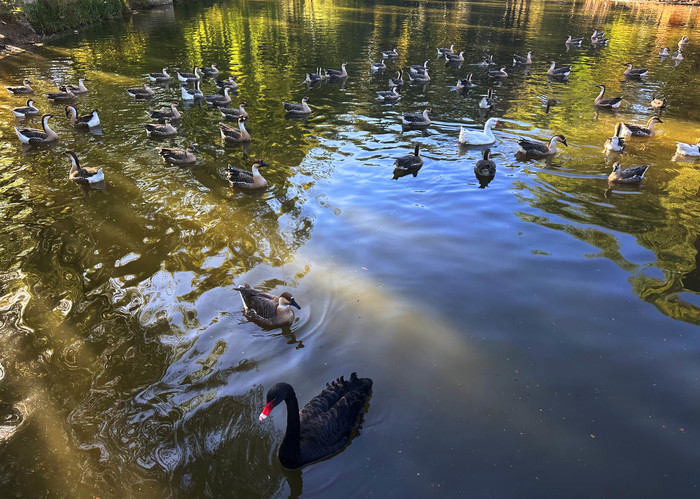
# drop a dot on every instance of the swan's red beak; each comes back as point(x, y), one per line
point(266, 411)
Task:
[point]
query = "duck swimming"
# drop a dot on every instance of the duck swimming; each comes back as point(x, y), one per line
point(211, 72)
point(417, 120)
point(573, 41)
point(518, 59)
point(657, 103)
point(640, 131)
point(683, 149)
point(233, 135)
point(24, 89)
point(628, 175)
point(26, 111)
point(191, 94)
point(325, 425)
point(389, 95)
point(398, 81)
point(536, 148)
point(28, 135)
point(299, 109)
point(465, 83)
point(65, 94)
point(176, 156)
point(81, 175)
point(610, 103)
point(248, 181)
point(560, 72)
point(230, 83)
point(389, 54)
point(485, 167)
point(337, 73)
point(218, 100)
point(443, 51)
point(419, 68)
point(265, 309)
point(160, 130)
point(476, 138)
point(501, 73)
point(378, 66)
point(89, 120)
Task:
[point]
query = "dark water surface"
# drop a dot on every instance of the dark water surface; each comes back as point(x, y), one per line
point(533, 338)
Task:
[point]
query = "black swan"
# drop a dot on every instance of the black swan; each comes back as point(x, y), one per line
point(324, 425)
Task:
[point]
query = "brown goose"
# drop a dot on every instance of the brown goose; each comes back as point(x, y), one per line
point(632, 175)
point(163, 114)
point(610, 102)
point(536, 148)
point(615, 143)
point(230, 83)
point(178, 156)
point(657, 103)
point(634, 73)
point(485, 166)
point(325, 425)
point(160, 130)
point(35, 136)
point(640, 131)
point(265, 309)
point(248, 181)
point(141, 93)
point(417, 120)
point(26, 111)
point(231, 134)
point(81, 175)
point(80, 88)
point(159, 77)
point(65, 94)
point(409, 164)
point(211, 72)
point(218, 100)
point(189, 77)
point(89, 120)
point(234, 114)
point(294, 108)
point(24, 89)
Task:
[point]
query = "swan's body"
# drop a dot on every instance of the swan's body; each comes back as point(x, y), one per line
point(178, 156)
point(267, 309)
point(35, 136)
point(165, 114)
point(26, 111)
point(324, 426)
point(536, 148)
point(235, 135)
point(615, 143)
point(640, 131)
point(417, 120)
point(632, 175)
point(160, 129)
point(476, 138)
point(191, 94)
point(610, 103)
point(297, 108)
point(141, 93)
point(234, 114)
point(89, 120)
point(248, 181)
point(24, 89)
point(81, 175)
point(683, 149)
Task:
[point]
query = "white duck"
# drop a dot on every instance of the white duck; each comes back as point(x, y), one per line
point(474, 138)
point(683, 149)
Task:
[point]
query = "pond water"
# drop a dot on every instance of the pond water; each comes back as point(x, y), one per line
point(535, 337)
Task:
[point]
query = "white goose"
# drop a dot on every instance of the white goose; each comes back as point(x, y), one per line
point(683, 149)
point(474, 138)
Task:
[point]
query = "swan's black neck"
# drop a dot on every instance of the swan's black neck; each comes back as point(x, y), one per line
point(290, 450)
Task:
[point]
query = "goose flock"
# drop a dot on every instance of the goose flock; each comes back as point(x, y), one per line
point(326, 424)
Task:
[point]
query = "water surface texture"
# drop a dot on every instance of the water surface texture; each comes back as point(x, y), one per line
point(535, 337)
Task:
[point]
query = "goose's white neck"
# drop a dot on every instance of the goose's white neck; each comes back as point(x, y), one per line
point(47, 129)
point(553, 144)
point(602, 91)
point(75, 165)
point(81, 85)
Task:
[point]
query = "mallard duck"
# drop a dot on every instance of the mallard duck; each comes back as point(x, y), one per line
point(455, 57)
point(657, 103)
point(536, 148)
point(632, 175)
point(477, 138)
point(634, 73)
point(518, 59)
point(80, 88)
point(89, 120)
point(445, 51)
point(81, 175)
point(421, 78)
point(230, 83)
point(573, 41)
point(488, 61)
point(231, 134)
point(210, 72)
point(677, 55)
point(294, 108)
point(417, 120)
point(65, 94)
point(162, 114)
point(487, 102)
point(160, 129)
point(561, 72)
point(218, 100)
point(191, 94)
point(665, 52)
point(35, 136)
point(409, 164)
point(501, 73)
point(419, 68)
point(141, 93)
point(683, 42)
point(610, 103)
point(389, 95)
point(465, 83)
point(378, 66)
point(485, 167)
point(178, 156)
point(683, 149)
point(390, 54)
point(234, 114)
point(248, 181)
point(160, 77)
point(398, 81)
point(325, 425)
point(316, 77)
point(266, 309)
point(25, 111)
point(189, 77)
point(640, 131)
point(337, 73)
point(24, 89)
point(615, 143)
point(597, 36)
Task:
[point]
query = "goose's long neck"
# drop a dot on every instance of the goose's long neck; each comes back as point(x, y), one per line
point(256, 175)
point(650, 124)
point(487, 129)
point(47, 129)
point(241, 126)
point(291, 444)
point(553, 144)
point(76, 165)
point(176, 113)
point(305, 106)
point(551, 68)
point(602, 91)
point(82, 86)
point(73, 115)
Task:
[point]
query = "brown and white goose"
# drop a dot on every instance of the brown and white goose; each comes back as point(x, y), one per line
point(615, 143)
point(144, 92)
point(35, 136)
point(408, 164)
point(230, 83)
point(265, 309)
point(235, 135)
point(178, 156)
point(80, 88)
point(608, 102)
point(248, 181)
point(163, 114)
point(81, 175)
point(536, 148)
point(297, 108)
point(634, 73)
point(211, 72)
point(24, 89)
point(26, 111)
point(417, 120)
point(640, 131)
point(518, 59)
point(65, 94)
point(89, 120)
point(632, 175)
point(189, 77)
point(160, 77)
point(234, 114)
point(160, 129)
point(218, 100)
